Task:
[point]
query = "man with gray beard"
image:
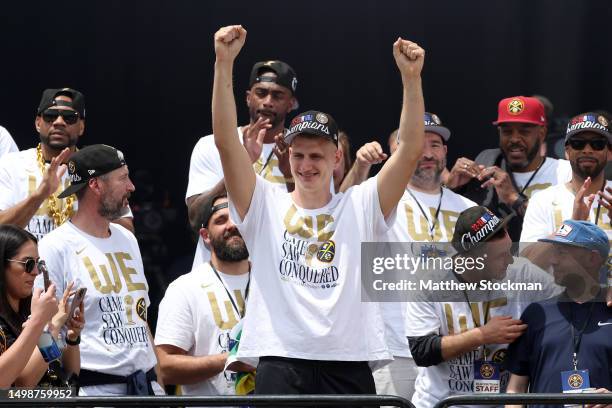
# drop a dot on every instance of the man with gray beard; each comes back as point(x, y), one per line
point(427, 212)
point(201, 307)
point(117, 355)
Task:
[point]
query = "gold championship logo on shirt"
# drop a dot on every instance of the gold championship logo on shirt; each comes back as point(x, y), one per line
point(141, 309)
point(327, 251)
point(499, 356)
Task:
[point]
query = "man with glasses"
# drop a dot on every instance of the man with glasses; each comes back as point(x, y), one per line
point(31, 179)
point(587, 196)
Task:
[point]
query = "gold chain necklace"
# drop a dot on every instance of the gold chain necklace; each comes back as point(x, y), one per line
point(58, 216)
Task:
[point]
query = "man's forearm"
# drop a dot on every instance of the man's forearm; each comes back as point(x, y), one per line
point(356, 175)
point(458, 344)
point(181, 369)
point(22, 213)
point(516, 385)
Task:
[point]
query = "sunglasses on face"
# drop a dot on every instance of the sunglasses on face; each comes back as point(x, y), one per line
point(29, 263)
point(70, 117)
point(580, 144)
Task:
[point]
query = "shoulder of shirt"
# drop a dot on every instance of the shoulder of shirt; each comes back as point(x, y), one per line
point(451, 194)
point(543, 194)
point(60, 237)
point(120, 229)
point(207, 140)
point(200, 274)
point(11, 157)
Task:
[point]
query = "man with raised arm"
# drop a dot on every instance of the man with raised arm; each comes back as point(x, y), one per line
point(306, 326)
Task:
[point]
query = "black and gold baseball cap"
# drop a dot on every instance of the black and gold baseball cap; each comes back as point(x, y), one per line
point(89, 162)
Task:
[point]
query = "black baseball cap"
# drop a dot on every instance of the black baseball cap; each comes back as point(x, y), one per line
point(49, 96)
point(588, 122)
point(474, 226)
point(314, 123)
point(285, 75)
point(89, 162)
point(208, 209)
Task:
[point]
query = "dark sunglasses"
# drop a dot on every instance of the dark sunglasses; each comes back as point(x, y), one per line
point(579, 144)
point(29, 263)
point(70, 117)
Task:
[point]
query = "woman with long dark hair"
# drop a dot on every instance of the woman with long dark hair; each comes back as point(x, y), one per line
point(24, 316)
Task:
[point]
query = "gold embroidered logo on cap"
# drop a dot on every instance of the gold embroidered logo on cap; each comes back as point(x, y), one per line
point(516, 106)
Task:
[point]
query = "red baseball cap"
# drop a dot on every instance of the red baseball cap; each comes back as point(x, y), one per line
point(521, 109)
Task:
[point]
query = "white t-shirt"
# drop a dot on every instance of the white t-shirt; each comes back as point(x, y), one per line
point(197, 316)
point(549, 208)
point(205, 171)
point(20, 176)
point(7, 144)
point(552, 172)
point(455, 376)
point(411, 226)
point(115, 338)
point(305, 299)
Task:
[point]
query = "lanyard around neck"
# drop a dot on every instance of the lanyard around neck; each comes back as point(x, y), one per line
point(229, 295)
point(577, 337)
point(430, 224)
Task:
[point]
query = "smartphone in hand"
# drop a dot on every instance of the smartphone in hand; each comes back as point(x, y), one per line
point(76, 301)
point(42, 267)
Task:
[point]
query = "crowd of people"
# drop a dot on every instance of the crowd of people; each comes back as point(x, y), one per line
point(273, 303)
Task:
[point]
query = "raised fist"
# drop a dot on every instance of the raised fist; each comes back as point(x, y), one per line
point(228, 42)
point(409, 57)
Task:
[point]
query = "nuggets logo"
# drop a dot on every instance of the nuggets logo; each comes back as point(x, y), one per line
point(487, 370)
point(602, 121)
point(322, 118)
point(515, 107)
point(575, 381)
point(71, 167)
point(499, 356)
point(327, 251)
point(141, 309)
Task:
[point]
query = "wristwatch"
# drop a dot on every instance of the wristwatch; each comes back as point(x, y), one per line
point(518, 203)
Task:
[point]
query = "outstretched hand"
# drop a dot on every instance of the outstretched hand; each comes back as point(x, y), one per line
point(228, 42)
point(409, 57)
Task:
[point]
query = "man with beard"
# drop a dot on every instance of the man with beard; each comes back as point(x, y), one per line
point(587, 196)
point(271, 96)
point(427, 212)
point(504, 179)
point(201, 307)
point(567, 347)
point(117, 354)
point(31, 179)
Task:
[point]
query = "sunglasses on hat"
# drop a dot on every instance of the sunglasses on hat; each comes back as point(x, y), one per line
point(580, 144)
point(70, 117)
point(29, 263)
